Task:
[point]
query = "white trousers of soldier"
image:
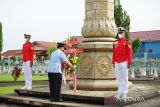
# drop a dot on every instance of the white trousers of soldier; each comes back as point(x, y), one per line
point(27, 73)
point(122, 78)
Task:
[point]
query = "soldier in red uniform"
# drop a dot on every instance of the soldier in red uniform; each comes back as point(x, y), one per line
point(122, 60)
point(28, 54)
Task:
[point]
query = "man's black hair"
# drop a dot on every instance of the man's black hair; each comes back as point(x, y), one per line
point(60, 45)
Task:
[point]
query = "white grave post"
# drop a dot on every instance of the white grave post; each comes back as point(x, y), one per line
point(36, 69)
point(132, 73)
point(144, 72)
point(152, 71)
point(155, 72)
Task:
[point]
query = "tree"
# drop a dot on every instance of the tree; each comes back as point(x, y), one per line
point(1, 40)
point(136, 44)
point(51, 48)
point(122, 19)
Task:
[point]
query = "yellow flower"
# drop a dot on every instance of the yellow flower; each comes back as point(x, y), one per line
point(68, 56)
point(72, 59)
point(75, 60)
point(76, 57)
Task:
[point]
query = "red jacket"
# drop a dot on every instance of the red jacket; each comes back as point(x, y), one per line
point(28, 52)
point(122, 51)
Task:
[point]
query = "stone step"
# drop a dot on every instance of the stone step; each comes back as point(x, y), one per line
point(67, 96)
point(40, 102)
point(89, 99)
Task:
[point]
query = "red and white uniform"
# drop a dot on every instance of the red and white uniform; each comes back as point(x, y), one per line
point(28, 56)
point(122, 57)
point(28, 52)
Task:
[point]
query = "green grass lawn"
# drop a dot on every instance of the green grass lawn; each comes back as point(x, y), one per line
point(10, 89)
point(8, 77)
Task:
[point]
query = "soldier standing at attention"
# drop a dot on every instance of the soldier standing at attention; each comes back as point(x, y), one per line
point(28, 54)
point(122, 60)
point(55, 72)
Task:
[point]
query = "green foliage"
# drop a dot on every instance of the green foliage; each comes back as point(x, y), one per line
point(122, 19)
point(1, 40)
point(70, 39)
point(118, 13)
point(52, 47)
point(136, 44)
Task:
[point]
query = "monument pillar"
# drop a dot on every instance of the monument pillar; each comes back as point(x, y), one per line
point(95, 71)
point(99, 20)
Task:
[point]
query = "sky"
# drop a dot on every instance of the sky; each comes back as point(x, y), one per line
point(55, 20)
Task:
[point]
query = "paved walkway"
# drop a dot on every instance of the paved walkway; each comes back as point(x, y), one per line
point(5, 84)
point(155, 102)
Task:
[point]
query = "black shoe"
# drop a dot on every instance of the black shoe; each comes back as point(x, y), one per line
point(52, 100)
point(60, 100)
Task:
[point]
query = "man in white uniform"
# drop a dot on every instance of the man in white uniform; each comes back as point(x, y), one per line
point(28, 53)
point(122, 60)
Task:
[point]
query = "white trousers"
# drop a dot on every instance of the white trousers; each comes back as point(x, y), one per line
point(122, 78)
point(27, 73)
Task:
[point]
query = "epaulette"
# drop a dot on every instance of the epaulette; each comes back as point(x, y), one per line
point(129, 43)
point(32, 46)
point(115, 42)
